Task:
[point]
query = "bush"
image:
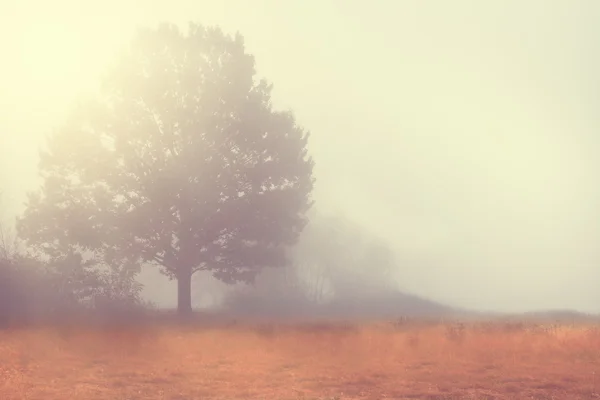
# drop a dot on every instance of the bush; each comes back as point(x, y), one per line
point(36, 293)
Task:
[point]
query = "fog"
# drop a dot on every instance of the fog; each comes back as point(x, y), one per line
point(463, 134)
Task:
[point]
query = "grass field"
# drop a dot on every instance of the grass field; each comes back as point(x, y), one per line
point(401, 360)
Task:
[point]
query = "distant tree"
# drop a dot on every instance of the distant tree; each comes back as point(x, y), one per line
point(336, 267)
point(8, 243)
point(182, 163)
point(337, 256)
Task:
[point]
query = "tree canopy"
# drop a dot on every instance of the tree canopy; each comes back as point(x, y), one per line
point(182, 162)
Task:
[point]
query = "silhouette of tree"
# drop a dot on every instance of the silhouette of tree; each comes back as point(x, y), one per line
point(339, 256)
point(182, 163)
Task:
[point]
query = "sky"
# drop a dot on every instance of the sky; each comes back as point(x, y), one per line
point(463, 132)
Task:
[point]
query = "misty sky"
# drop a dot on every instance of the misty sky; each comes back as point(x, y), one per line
point(465, 132)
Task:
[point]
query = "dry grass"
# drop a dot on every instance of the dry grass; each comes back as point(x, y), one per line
point(375, 361)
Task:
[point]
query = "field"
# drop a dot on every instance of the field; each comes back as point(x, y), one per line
point(391, 360)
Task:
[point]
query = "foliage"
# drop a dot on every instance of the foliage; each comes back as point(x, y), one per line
point(35, 290)
point(182, 163)
point(32, 291)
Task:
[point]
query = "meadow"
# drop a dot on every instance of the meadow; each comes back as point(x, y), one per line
point(402, 359)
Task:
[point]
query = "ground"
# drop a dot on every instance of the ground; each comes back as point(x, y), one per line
point(385, 360)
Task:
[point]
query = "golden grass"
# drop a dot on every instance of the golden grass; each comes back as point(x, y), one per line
point(374, 361)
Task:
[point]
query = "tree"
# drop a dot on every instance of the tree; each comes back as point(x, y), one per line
point(182, 163)
point(8, 243)
point(339, 257)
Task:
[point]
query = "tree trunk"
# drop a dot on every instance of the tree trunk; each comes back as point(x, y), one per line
point(184, 291)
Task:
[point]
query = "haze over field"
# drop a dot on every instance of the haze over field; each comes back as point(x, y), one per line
point(463, 133)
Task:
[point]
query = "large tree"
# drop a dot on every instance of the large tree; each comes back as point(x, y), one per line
point(182, 163)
